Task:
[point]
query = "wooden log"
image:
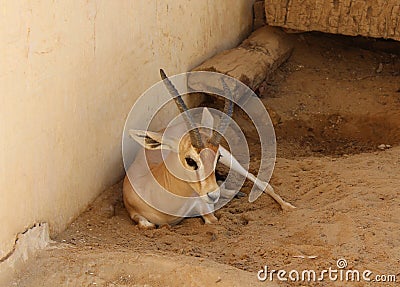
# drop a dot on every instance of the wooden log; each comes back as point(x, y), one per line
point(370, 18)
point(255, 59)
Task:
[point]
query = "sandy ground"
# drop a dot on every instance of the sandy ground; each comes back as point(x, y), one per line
point(332, 106)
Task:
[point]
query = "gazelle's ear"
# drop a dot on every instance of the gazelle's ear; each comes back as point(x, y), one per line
point(207, 120)
point(154, 140)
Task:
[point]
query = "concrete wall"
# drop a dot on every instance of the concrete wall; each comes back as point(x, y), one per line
point(69, 73)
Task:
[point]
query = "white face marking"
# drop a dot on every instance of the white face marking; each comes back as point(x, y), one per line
point(209, 160)
point(216, 159)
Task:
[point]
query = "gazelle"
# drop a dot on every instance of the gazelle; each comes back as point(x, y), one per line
point(183, 164)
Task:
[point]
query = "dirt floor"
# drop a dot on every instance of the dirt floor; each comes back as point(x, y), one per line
point(332, 105)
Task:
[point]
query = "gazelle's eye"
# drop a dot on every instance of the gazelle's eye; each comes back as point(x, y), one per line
point(191, 163)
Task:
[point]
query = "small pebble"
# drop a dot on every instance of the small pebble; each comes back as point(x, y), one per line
point(384, 146)
point(380, 68)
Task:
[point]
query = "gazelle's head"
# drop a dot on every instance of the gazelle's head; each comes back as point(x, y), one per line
point(197, 150)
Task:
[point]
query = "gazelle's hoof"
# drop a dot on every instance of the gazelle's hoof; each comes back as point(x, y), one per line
point(146, 225)
point(210, 218)
point(286, 206)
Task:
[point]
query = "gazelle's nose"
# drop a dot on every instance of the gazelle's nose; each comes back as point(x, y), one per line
point(213, 196)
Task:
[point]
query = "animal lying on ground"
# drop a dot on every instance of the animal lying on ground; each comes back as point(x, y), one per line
point(173, 175)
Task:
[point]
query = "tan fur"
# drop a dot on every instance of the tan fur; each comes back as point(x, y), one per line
point(145, 215)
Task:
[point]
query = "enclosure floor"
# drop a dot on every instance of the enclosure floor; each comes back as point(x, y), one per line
point(332, 106)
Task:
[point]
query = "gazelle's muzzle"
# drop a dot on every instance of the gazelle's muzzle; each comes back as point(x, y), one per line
point(212, 197)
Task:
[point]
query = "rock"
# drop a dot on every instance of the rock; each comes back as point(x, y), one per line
point(379, 18)
point(380, 68)
point(384, 146)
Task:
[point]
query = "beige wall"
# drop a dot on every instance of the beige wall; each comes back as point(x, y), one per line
point(69, 73)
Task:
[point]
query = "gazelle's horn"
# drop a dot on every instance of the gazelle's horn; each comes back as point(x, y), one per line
point(228, 110)
point(194, 133)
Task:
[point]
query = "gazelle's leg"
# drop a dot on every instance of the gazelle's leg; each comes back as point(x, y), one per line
point(270, 191)
point(229, 160)
point(209, 218)
point(229, 193)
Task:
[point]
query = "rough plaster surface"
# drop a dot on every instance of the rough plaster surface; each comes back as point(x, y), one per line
point(26, 245)
point(69, 73)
